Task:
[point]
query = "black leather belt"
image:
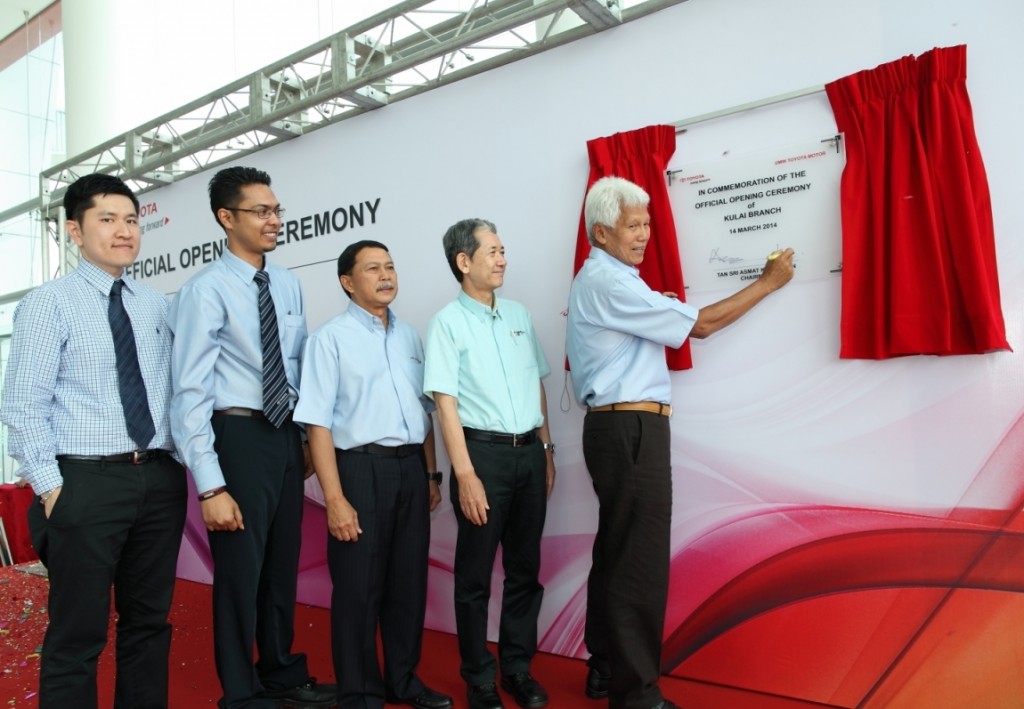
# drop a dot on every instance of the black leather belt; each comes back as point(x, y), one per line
point(135, 457)
point(390, 451)
point(516, 440)
point(248, 413)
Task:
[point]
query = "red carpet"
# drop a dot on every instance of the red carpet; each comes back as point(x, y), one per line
point(193, 677)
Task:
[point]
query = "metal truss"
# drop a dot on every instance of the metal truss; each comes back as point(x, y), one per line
point(412, 47)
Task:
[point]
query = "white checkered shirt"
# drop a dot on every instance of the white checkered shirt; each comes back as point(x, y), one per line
point(60, 392)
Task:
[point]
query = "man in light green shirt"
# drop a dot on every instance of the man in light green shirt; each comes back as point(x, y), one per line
point(483, 368)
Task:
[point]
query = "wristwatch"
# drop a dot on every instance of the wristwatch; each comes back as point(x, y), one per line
point(550, 447)
point(435, 478)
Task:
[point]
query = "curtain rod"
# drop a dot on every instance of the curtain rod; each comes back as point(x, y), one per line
point(682, 125)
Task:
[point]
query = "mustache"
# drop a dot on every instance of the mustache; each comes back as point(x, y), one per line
point(385, 284)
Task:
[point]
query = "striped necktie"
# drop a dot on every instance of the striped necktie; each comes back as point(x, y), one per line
point(276, 403)
point(134, 399)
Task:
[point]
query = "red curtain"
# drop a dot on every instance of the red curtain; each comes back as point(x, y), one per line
point(919, 264)
point(641, 156)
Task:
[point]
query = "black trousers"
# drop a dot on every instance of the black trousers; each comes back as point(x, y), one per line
point(120, 524)
point(255, 570)
point(382, 578)
point(628, 456)
point(516, 486)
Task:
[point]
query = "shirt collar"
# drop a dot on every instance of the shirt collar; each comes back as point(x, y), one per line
point(368, 320)
point(244, 270)
point(603, 258)
point(100, 279)
point(478, 309)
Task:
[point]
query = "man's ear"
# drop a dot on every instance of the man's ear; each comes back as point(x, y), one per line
point(600, 234)
point(462, 261)
point(346, 285)
point(226, 217)
point(74, 230)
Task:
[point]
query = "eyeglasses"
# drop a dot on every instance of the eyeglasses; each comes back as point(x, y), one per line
point(261, 213)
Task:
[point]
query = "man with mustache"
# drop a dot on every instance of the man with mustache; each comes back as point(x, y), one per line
point(371, 437)
point(484, 369)
point(618, 329)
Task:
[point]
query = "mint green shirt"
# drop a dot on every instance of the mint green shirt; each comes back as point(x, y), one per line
point(488, 359)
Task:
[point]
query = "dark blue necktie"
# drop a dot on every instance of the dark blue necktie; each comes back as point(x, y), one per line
point(275, 384)
point(129, 377)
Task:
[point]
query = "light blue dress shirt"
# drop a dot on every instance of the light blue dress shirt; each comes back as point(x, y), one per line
point(61, 394)
point(617, 331)
point(490, 360)
point(363, 383)
point(217, 359)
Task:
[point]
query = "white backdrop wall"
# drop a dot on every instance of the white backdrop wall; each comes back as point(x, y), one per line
point(768, 395)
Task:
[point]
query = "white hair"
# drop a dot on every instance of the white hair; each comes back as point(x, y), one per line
point(605, 201)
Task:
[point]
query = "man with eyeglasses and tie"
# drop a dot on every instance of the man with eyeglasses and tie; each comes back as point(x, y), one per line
point(86, 403)
point(239, 327)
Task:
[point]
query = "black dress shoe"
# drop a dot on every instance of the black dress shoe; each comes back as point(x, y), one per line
point(597, 683)
point(427, 699)
point(484, 696)
point(306, 695)
point(527, 691)
point(666, 704)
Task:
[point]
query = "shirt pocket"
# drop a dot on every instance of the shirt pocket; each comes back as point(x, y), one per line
point(293, 335)
point(409, 364)
point(153, 340)
point(521, 356)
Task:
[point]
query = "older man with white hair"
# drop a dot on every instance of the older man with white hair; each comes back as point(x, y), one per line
point(617, 331)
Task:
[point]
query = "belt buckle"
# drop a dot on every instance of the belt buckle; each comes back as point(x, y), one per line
point(140, 457)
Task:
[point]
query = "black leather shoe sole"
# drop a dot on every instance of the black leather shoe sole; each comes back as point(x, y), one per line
point(428, 699)
point(533, 701)
point(309, 696)
point(484, 697)
point(597, 684)
point(304, 704)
